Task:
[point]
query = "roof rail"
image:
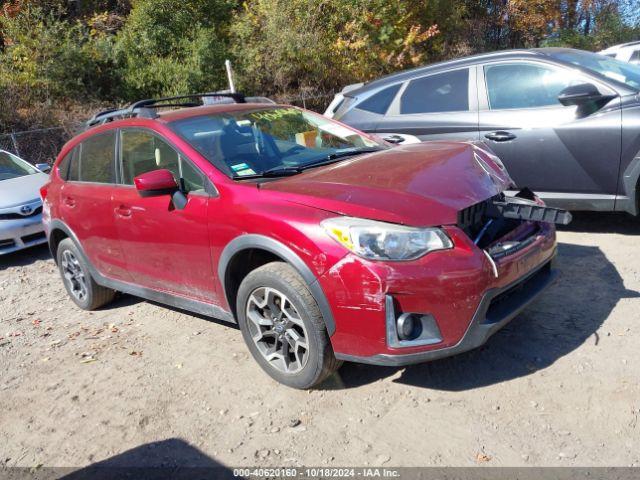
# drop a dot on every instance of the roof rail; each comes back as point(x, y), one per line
point(158, 102)
point(146, 108)
point(628, 44)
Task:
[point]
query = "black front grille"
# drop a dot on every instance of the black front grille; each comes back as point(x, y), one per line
point(17, 216)
point(7, 243)
point(33, 237)
point(514, 297)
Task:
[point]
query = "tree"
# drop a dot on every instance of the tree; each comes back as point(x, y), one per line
point(172, 47)
point(319, 45)
point(52, 57)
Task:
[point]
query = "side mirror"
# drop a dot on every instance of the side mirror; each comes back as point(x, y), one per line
point(582, 94)
point(43, 167)
point(156, 182)
point(160, 182)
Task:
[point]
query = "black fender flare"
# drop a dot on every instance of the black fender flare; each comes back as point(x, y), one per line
point(56, 224)
point(251, 241)
point(178, 301)
point(631, 182)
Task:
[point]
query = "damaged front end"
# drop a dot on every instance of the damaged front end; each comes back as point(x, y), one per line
point(503, 225)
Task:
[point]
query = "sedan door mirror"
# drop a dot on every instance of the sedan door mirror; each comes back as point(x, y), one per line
point(156, 182)
point(582, 94)
point(43, 167)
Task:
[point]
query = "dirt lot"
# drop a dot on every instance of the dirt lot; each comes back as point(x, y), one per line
point(148, 384)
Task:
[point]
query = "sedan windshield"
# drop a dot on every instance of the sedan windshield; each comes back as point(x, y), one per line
point(622, 72)
point(12, 167)
point(274, 141)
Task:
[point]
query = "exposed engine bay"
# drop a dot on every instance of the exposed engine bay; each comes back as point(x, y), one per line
point(502, 225)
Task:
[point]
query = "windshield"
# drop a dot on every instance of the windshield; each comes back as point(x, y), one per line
point(13, 167)
point(622, 72)
point(271, 141)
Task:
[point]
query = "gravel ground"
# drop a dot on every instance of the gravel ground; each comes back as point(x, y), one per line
point(138, 383)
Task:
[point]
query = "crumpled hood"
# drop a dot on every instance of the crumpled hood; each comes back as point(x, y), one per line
point(21, 190)
point(422, 184)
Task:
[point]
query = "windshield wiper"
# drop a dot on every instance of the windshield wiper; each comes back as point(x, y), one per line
point(280, 171)
point(333, 157)
point(277, 171)
point(285, 171)
point(353, 151)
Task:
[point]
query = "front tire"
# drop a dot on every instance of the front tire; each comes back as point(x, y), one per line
point(283, 327)
point(80, 285)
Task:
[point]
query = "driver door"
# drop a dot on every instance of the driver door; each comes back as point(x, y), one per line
point(564, 156)
point(166, 249)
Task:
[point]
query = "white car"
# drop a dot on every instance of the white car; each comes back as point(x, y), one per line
point(627, 52)
point(20, 203)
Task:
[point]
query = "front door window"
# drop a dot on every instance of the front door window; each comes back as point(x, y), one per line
point(142, 152)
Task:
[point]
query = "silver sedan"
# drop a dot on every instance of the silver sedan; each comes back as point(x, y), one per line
point(20, 203)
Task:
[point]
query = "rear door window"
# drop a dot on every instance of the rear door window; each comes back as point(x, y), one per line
point(65, 163)
point(94, 159)
point(442, 92)
point(379, 102)
point(73, 173)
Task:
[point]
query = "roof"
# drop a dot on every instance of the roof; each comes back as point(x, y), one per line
point(448, 64)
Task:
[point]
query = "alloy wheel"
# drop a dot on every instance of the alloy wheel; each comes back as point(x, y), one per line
point(74, 276)
point(277, 330)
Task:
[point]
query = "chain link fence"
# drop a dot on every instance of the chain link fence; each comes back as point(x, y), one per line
point(35, 146)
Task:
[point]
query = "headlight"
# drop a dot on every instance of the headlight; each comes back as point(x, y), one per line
point(385, 241)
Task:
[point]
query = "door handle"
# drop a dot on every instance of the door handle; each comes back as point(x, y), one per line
point(500, 136)
point(69, 202)
point(393, 139)
point(123, 211)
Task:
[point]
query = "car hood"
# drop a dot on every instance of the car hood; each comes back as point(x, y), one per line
point(422, 185)
point(21, 190)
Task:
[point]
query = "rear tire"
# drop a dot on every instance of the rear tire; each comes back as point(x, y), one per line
point(77, 279)
point(283, 327)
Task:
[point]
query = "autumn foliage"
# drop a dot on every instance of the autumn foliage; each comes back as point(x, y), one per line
point(56, 54)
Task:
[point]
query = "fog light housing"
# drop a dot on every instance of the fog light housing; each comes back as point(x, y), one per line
point(409, 326)
point(410, 329)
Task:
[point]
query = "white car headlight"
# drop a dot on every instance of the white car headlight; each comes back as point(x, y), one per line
point(385, 241)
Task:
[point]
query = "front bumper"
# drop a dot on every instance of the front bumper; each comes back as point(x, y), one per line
point(17, 234)
point(462, 289)
point(497, 307)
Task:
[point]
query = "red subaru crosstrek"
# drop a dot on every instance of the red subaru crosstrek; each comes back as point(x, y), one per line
point(323, 243)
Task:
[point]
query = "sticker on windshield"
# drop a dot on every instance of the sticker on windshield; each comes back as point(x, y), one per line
point(239, 166)
point(242, 169)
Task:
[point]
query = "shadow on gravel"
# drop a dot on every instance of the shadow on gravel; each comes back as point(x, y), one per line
point(122, 300)
point(25, 257)
point(600, 222)
point(173, 458)
point(207, 318)
point(567, 315)
point(126, 300)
